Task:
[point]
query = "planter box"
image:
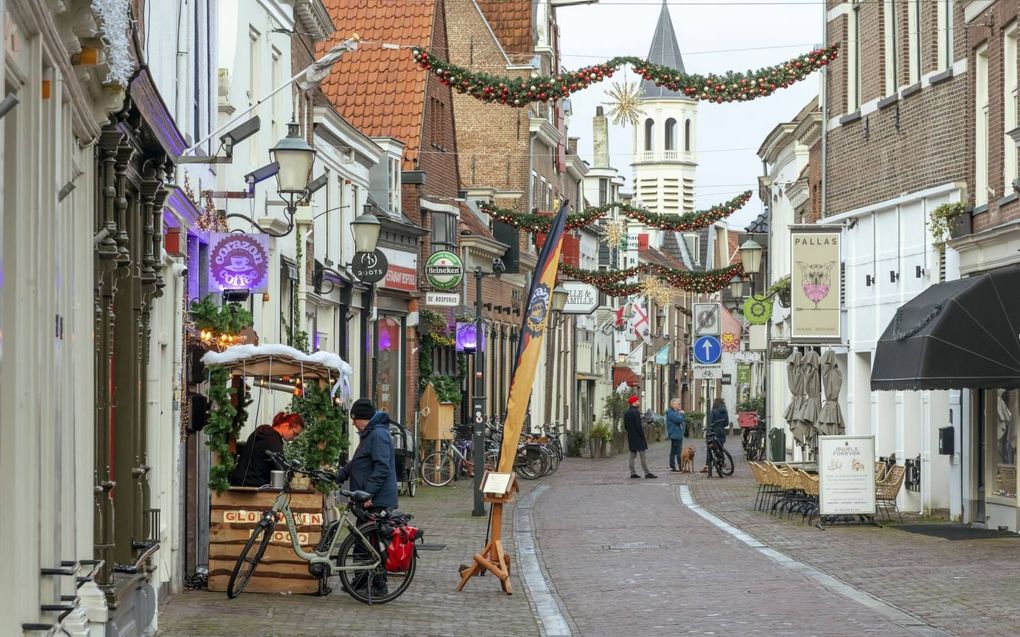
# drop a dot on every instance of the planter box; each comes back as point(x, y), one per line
point(962, 225)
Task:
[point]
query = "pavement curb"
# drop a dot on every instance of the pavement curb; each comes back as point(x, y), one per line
point(554, 620)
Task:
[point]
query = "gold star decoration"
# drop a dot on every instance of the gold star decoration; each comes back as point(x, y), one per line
point(656, 290)
point(625, 103)
point(615, 233)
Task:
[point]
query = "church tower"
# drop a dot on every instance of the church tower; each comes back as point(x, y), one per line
point(665, 158)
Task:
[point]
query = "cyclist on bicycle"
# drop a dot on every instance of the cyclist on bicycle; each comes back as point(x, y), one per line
point(718, 424)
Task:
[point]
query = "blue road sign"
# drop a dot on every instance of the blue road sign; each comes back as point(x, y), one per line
point(707, 350)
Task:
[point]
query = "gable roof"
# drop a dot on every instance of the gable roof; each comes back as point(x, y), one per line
point(381, 91)
point(651, 255)
point(510, 20)
point(664, 51)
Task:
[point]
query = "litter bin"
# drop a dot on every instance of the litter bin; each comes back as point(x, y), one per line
point(777, 445)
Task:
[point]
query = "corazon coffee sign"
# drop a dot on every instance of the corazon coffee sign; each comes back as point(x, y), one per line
point(238, 262)
point(444, 270)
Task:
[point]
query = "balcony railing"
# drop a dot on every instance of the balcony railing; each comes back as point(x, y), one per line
point(661, 155)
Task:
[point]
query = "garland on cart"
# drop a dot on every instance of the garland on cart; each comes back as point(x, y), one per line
point(730, 87)
point(611, 283)
point(678, 223)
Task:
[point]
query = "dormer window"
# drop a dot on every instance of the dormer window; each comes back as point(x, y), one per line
point(395, 186)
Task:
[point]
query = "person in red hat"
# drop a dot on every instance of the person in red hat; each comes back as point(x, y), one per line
point(636, 437)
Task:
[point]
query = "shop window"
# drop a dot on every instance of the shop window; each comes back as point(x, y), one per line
point(389, 370)
point(1002, 410)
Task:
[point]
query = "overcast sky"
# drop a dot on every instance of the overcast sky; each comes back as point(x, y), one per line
point(714, 37)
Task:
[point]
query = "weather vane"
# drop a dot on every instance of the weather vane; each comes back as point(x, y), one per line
point(625, 103)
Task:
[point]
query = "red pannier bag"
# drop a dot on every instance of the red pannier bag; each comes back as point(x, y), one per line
point(401, 548)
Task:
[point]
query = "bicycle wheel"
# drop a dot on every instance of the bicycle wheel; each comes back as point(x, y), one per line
point(371, 585)
point(250, 556)
point(531, 463)
point(412, 487)
point(725, 463)
point(554, 460)
point(437, 469)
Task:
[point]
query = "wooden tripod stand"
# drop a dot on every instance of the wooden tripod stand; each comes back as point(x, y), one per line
point(493, 558)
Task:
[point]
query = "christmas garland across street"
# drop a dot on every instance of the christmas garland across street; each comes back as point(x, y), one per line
point(671, 222)
point(730, 87)
point(611, 283)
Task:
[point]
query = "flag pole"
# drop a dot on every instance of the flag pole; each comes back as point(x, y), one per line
point(499, 486)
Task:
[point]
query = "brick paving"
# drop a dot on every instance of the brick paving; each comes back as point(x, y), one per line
point(679, 574)
point(430, 606)
point(626, 557)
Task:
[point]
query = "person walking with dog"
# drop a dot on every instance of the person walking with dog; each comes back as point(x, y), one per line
point(676, 428)
point(636, 437)
point(718, 424)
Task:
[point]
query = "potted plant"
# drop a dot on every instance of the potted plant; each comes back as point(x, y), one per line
point(601, 436)
point(575, 443)
point(949, 220)
point(781, 289)
point(695, 422)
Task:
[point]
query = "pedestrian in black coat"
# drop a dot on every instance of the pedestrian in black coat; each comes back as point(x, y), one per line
point(718, 425)
point(636, 437)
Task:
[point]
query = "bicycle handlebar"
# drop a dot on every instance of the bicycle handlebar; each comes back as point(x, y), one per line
point(316, 475)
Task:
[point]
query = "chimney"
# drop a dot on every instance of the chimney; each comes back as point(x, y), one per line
point(600, 139)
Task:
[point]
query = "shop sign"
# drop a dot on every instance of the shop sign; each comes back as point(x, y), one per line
point(846, 474)
point(743, 373)
point(444, 270)
point(779, 350)
point(369, 267)
point(662, 356)
point(401, 278)
point(814, 283)
point(582, 298)
point(442, 299)
point(239, 262)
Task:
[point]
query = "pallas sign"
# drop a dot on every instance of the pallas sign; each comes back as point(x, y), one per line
point(815, 283)
point(238, 262)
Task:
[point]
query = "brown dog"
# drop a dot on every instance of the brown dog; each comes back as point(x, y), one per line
point(687, 460)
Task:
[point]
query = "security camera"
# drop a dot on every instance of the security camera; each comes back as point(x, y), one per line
point(179, 270)
point(498, 267)
point(261, 174)
point(239, 134)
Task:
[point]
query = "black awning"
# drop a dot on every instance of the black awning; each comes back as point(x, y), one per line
point(954, 335)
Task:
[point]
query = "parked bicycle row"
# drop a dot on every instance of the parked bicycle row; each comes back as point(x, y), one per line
point(538, 455)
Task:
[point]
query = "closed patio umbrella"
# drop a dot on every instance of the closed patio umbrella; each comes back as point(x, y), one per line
point(830, 418)
point(795, 380)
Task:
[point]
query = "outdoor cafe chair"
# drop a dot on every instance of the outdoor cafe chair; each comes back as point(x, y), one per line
point(887, 489)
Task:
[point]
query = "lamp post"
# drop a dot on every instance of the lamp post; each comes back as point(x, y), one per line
point(366, 229)
point(478, 402)
point(750, 259)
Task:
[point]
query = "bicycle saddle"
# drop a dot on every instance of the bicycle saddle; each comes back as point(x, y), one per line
point(361, 496)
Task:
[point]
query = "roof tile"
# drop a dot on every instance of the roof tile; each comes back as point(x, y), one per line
point(511, 22)
point(380, 91)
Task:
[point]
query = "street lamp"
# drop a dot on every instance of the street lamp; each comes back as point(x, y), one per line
point(294, 156)
point(559, 299)
point(750, 260)
point(366, 230)
point(736, 287)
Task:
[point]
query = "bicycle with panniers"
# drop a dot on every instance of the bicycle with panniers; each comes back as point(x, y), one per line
point(372, 553)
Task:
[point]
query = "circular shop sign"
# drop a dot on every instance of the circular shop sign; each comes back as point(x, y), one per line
point(369, 267)
point(239, 262)
point(444, 270)
point(757, 310)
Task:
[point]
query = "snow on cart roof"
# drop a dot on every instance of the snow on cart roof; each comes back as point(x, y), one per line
point(278, 360)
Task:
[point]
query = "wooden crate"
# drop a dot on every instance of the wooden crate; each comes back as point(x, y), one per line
point(235, 513)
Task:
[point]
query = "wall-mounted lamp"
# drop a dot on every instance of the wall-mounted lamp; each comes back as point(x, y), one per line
point(868, 280)
point(894, 276)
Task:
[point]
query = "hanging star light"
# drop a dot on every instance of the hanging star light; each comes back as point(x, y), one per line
point(625, 103)
point(614, 233)
point(656, 291)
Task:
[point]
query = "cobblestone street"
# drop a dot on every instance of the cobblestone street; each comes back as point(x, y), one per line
point(622, 556)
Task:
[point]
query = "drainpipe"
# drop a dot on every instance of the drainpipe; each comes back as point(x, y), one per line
point(823, 203)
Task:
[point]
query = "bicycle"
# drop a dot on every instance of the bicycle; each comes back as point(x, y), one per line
point(719, 458)
point(360, 561)
point(753, 441)
point(440, 468)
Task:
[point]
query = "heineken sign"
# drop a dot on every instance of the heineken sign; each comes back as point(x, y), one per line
point(444, 270)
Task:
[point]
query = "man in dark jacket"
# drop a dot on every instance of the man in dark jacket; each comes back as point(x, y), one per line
point(636, 437)
point(372, 468)
point(253, 465)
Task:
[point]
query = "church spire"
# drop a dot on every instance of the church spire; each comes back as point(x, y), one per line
point(664, 51)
